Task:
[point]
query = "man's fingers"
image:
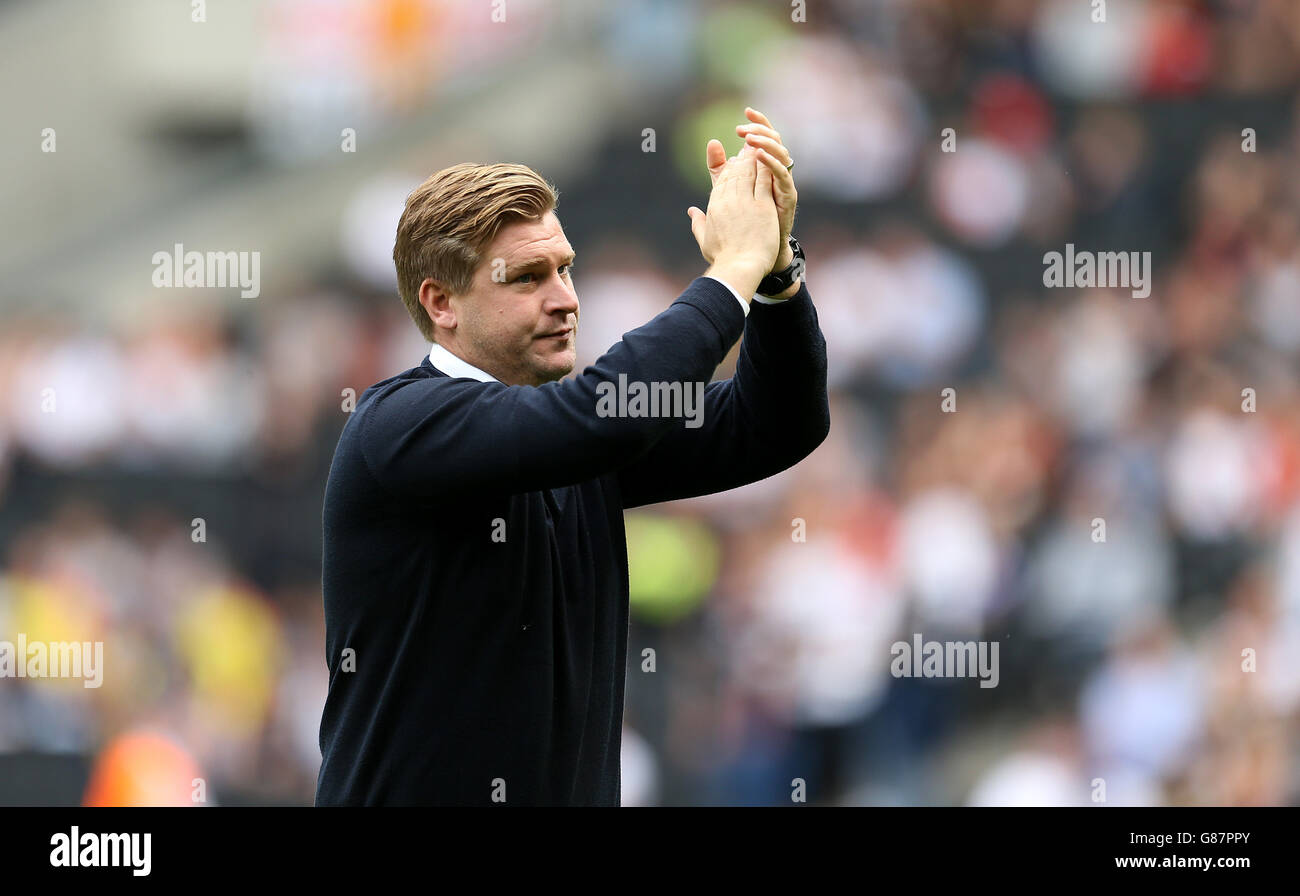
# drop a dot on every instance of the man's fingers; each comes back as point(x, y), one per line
point(784, 179)
point(744, 130)
point(763, 176)
point(756, 116)
point(737, 175)
point(748, 169)
point(774, 147)
point(729, 170)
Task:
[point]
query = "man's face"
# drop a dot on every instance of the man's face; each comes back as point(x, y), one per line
point(507, 324)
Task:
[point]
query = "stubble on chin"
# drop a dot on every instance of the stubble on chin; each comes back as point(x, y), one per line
point(557, 365)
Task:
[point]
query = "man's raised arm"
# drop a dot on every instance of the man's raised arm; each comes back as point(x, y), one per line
point(763, 420)
point(434, 437)
point(775, 410)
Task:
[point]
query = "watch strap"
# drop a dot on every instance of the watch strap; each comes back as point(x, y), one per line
point(779, 281)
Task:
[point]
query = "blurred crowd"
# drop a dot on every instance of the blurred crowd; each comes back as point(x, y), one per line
point(1106, 486)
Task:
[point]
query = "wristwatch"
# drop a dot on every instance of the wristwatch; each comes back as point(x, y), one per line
point(776, 283)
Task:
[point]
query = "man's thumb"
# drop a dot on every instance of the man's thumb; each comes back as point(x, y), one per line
point(697, 222)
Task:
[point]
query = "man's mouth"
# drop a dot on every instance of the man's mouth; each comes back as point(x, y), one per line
point(557, 334)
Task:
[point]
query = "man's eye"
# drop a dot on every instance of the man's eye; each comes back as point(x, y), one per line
point(564, 269)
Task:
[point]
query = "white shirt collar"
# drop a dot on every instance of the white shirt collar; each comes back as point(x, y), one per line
point(453, 366)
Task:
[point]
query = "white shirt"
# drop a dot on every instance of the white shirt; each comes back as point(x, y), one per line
point(743, 304)
point(454, 367)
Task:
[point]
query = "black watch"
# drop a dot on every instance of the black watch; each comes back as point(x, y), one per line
point(776, 283)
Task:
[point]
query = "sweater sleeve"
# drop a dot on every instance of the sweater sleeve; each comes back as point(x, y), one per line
point(763, 420)
point(437, 436)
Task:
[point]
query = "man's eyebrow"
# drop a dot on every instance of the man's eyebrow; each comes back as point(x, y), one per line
point(538, 260)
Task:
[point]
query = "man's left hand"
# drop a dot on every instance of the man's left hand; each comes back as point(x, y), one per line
point(760, 135)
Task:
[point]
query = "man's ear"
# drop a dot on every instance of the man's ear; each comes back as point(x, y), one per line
point(436, 302)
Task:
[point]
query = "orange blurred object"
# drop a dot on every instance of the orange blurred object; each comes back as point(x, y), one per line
point(144, 769)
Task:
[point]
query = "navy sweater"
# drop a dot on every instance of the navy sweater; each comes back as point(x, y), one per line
point(475, 563)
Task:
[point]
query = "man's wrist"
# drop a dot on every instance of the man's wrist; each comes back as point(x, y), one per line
point(742, 273)
point(786, 294)
point(785, 279)
point(783, 258)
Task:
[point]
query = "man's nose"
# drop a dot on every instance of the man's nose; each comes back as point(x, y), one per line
point(562, 299)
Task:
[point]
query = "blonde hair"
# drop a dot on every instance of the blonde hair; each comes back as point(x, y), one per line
point(452, 217)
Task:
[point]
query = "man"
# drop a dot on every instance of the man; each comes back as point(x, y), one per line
point(475, 571)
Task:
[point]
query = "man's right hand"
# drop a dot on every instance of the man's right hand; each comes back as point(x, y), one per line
point(740, 233)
